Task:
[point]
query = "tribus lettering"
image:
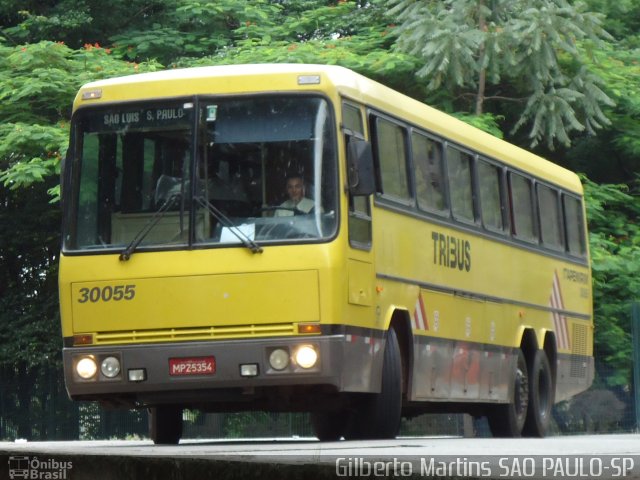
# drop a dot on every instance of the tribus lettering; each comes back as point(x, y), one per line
point(451, 252)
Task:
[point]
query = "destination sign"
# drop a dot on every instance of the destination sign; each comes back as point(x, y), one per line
point(141, 118)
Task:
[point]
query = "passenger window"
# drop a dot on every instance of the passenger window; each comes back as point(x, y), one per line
point(522, 208)
point(489, 179)
point(460, 186)
point(427, 160)
point(549, 209)
point(390, 148)
point(574, 221)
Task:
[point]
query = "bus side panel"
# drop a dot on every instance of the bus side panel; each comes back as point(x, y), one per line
point(446, 370)
point(478, 296)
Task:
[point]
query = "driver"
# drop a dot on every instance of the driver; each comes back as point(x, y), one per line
point(297, 200)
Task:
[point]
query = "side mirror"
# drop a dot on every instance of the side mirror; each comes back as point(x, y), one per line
point(360, 168)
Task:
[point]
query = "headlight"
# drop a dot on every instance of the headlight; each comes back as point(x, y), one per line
point(110, 367)
point(279, 359)
point(86, 368)
point(306, 356)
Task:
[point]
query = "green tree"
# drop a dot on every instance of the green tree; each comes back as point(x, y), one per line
point(198, 28)
point(614, 154)
point(621, 18)
point(77, 22)
point(531, 52)
point(37, 85)
point(612, 211)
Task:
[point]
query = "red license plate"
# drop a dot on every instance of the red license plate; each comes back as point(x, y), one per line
point(192, 366)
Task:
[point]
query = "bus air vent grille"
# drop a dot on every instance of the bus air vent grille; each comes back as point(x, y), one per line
point(194, 333)
point(579, 351)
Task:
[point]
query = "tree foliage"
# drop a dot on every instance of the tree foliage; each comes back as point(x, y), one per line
point(198, 28)
point(37, 84)
point(76, 22)
point(532, 52)
point(615, 241)
point(614, 154)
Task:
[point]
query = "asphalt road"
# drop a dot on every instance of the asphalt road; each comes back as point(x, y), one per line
point(603, 456)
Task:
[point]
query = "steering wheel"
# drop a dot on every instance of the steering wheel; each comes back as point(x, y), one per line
point(270, 208)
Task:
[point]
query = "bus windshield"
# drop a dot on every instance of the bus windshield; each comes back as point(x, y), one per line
point(203, 172)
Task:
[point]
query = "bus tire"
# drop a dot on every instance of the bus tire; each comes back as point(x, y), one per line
point(377, 416)
point(508, 419)
point(329, 426)
point(165, 425)
point(541, 396)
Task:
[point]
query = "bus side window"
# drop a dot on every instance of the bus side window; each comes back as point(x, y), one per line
point(352, 119)
point(549, 209)
point(390, 150)
point(429, 174)
point(523, 225)
point(574, 224)
point(491, 197)
point(359, 207)
point(460, 184)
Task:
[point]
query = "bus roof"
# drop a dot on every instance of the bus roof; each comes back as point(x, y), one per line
point(229, 79)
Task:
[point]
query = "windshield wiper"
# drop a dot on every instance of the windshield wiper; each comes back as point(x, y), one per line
point(144, 231)
point(222, 218)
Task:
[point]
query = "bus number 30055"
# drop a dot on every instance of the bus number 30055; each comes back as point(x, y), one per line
point(106, 294)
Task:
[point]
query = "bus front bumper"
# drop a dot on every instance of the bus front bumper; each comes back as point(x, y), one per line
point(148, 373)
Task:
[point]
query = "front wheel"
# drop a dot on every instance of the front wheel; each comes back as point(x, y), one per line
point(165, 425)
point(377, 416)
point(541, 396)
point(507, 419)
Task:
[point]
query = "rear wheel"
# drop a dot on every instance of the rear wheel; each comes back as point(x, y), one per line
point(507, 419)
point(377, 416)
point(165, 425)
point(541, 396)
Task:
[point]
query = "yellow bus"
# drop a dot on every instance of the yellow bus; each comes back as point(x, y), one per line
point(301, 238)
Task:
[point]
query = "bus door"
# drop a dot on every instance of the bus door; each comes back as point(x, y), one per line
point(364, 335)
point(360, 267)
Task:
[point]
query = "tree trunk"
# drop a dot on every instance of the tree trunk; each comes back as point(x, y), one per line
point(482, 74)
point(482, 78)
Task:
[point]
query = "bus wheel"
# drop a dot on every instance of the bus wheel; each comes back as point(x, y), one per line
point(541, 396)
point(377, 416)
point(507, 419)
point(165, 425)
point(329, 426)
